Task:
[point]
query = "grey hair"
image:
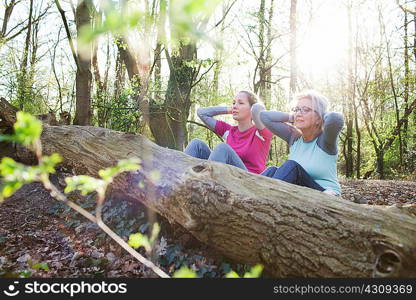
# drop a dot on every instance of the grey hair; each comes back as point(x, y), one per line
point(319, 102)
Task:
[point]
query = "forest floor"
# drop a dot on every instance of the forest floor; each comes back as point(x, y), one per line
point(40, 237)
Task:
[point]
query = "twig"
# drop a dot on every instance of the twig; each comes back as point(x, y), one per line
point(55, 193)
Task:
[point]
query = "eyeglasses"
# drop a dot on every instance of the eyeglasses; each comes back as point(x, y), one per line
point(303, 110)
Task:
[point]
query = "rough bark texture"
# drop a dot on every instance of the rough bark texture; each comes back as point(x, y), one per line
point(7, 114)
point(168, 119)
point(83, 79)
point(292, 230)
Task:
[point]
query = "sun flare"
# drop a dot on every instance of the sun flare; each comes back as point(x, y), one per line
point(325, 44)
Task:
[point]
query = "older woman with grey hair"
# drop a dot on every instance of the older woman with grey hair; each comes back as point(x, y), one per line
point(312, 139)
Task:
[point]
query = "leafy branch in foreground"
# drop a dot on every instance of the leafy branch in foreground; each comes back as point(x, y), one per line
point(185, 272)
point(27, 131)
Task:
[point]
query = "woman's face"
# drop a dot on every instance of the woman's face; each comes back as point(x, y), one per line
point(305, 116)
point(241, 108)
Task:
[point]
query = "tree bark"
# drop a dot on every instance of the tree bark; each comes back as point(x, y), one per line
point(407, 81)
point(7, 114)
point(7, 14)
point(23, 85)
point(293, 231)
point(168, 120)
point(83, 79)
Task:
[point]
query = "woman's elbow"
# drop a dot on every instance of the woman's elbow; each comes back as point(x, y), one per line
point(334, 119)
point(200, 112)
point(264, 117)
point(257, 108)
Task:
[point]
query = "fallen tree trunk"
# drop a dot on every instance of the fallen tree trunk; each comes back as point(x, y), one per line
point(291, 230)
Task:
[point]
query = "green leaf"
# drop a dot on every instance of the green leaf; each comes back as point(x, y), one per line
point(15, 175)
point(137, 240)
point(42, 266)
point(27, 129)
point(115, 21)
point(85, 184)
point(184, 272)
point(48, 163)
point(254, 272)
point(9, 189)
point(124, 165)
point(232, 274)
point(25, 274)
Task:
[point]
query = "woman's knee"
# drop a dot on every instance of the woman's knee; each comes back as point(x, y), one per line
point(195, 142)
point(269, 172)
point(222, 147)
point(197, 148)
point(222, 153)
point(290, 164)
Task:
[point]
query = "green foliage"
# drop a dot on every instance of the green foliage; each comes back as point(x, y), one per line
point(184, 272)
point(184, 16)
point(87, 184)
point(254, 272)
point(115, 21)
point(124, 165)
point(15, 174)
point(48, 163)
point(137, 240)
point(232, 274)
point(123, 115)
point(27, 130)
point(41, 266)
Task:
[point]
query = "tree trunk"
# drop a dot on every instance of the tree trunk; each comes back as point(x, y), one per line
point(168, 120)
point(83, 79)
point(7, 114)
point(294, 231)
point(7, 14)
point(268, 72)
point(120, 75)
point(23, 86)
point(406, 82)
point(380, 162)
point(161, 36)
point(259, 86)
point(414, 55)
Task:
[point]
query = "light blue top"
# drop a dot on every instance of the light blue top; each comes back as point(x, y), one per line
point(320, 165)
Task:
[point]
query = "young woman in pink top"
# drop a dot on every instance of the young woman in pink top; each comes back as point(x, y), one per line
point(246, 145)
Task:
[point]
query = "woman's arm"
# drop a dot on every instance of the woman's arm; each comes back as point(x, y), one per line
point(256, 109)
point(206, 114)
point(333, 124)
point(276, 121)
